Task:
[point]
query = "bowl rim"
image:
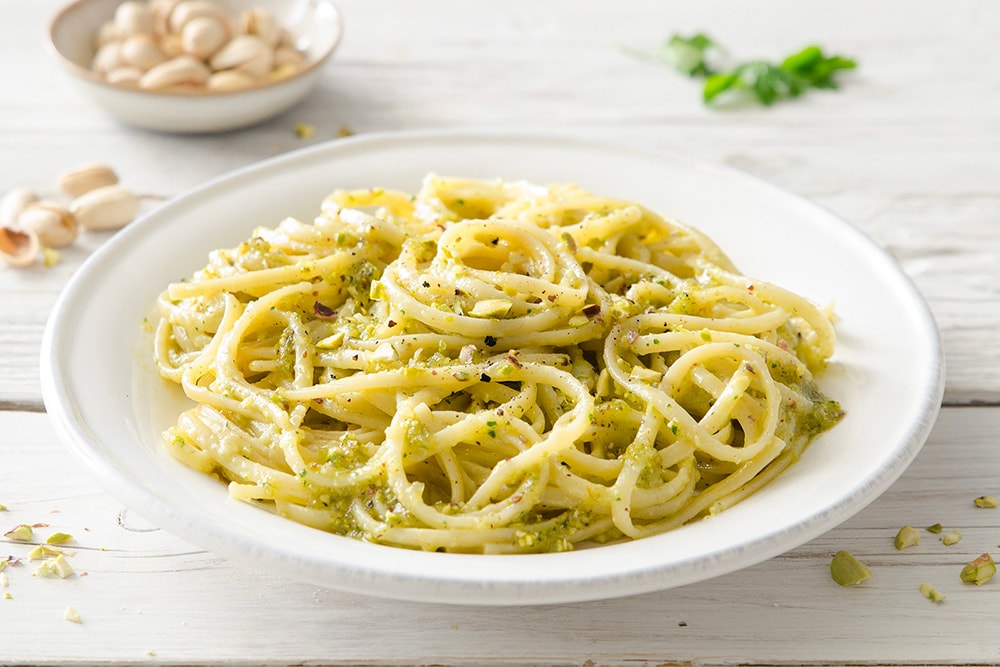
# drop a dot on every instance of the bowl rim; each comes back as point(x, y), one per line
point(91, 77)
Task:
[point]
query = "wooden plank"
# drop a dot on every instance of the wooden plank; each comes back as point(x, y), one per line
point(148, 591)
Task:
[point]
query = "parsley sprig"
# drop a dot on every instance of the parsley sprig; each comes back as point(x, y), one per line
point(762, 80)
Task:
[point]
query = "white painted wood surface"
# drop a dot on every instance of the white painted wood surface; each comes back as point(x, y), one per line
point(909, 151)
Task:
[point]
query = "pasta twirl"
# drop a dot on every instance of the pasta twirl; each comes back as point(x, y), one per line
point(489, 367)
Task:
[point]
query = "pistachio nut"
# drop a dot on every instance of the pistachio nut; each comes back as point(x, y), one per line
point(203, 36)
point(19, 248)
point(86, 177)
point(142, 51)
point(133, 17)
point(175, 72)
point(15, 201)
point(54, 226)
point(105, 208)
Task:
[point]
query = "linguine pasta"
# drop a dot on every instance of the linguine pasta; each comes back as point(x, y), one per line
point(489, 367)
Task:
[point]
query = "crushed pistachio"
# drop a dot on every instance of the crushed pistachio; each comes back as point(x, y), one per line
point(3, 564)
point(951, 537)
point(8, 596)
point(20, 533)
point(4, 582)
point(936, 528)
point(72, 615)
point(907, 537)
point(43, 551)
point(59, 538)
point(931, 593)
point(979, 570)
point(3, 508)
point(54, 567)
point(491, 308)
point(344, 131)
point(305, 130)
point(50, 257)
point(986, 501)
point(847, 570)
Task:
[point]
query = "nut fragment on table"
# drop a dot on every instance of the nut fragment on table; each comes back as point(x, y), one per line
point(193, 45)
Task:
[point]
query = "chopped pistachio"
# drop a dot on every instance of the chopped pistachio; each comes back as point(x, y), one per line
point(8, 596)
point(50, 257)
point(951, 537)
point(907, 537)
point(979, 570)
point(986, 501)
point(21, 533)
point(491, 307)
point(72, 615)
point(3, 564)
point(43, 551)
point(931, 593)
point(59, 538)
point(936, 528)
point(344, 131)
point(4, 582)
point(305, 130)
point(54, 567)
point(847, 570)
point(3, 508)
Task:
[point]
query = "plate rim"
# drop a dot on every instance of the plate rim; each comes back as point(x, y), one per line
point(76, 433)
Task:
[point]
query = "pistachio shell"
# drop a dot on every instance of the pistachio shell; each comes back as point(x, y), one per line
point(133, 17)
point(107, 58)
point(239, 51)
point(174, 72)
point(105, 208)
point(161, 10)
point(204, 36)
point(141, 51)
point(86, 177)
point(19, 248)
point(54, 226)
point(191, 9)
point(171, 46)
point(287, 56)
point(230, 79)
point(263, 24)
point(124, 76)
point(108, 32)
point(15, 201)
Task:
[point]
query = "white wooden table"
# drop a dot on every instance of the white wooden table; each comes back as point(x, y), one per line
point(909, 151)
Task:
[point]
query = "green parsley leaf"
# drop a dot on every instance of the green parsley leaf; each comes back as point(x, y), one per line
point(688, 55)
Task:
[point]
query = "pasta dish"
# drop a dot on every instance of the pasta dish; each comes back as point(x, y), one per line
point(490, 367)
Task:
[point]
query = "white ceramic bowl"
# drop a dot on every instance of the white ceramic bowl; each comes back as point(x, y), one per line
point(315, 25)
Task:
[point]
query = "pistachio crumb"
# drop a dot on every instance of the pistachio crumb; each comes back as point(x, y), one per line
point(847, 570)
point(8, 596)
point(951, 537)
point(43, 551)
point(50, 257)
point(907, 537)
point(931, 593)
point(979, 570)
point(57, 566)
point(20, 533)
point(986, 501)
point(305, 130)
point(59, 538)
point(72, 615)
point(936, 528)
point(3, 508)
point(4, 582)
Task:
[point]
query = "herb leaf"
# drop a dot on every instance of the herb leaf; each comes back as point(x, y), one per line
point(688, 55)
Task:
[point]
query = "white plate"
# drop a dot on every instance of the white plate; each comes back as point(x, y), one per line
point(109, 405)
